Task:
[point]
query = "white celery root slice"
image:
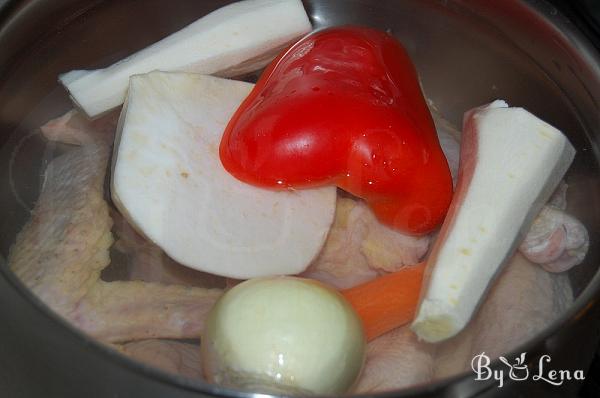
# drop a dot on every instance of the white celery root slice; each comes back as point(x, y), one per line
point(511, 162)
point(168, 181)
point(239, 38)
point(283, 335)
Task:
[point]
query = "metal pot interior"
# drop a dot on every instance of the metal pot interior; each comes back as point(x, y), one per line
point(467, 53)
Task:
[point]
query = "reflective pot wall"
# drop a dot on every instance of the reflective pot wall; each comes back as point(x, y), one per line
point(467, 53)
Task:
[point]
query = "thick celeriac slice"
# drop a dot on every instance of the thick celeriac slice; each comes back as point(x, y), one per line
point(168, 181)
point(510, 163)
point(239, 38)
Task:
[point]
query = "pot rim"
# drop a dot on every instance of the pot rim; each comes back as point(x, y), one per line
point(587, 300)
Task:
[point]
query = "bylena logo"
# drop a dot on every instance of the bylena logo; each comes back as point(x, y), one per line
point(519, 370)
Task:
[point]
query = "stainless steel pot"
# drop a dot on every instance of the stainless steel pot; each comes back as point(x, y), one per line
point(467, 53)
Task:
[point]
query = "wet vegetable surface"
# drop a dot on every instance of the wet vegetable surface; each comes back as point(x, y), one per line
point(343, 106)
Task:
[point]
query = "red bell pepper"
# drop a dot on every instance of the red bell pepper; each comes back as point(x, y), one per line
point(343, 106)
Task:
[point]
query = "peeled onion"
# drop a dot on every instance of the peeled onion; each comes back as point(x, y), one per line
point(283, 335)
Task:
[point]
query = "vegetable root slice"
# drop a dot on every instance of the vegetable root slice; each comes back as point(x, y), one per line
point(232, 40)
point(169, 183)
point(511, 162)
point(387, 302)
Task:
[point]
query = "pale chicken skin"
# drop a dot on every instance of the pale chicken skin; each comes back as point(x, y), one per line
point(167, 355)
point(146, 262)
point(556, 240)
point(76, 129)
point(359, 248)
point(396, 360)
point(523, 301)
point(62, 250)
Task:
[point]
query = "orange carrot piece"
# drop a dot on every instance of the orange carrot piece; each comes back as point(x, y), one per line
point(387, 302)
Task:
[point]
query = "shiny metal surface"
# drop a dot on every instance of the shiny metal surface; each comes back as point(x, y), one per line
point(467, 53)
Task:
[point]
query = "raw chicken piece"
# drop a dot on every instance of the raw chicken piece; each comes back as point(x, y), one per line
point(75, 128)
point(147, 262)
point(124, 311)
point(61, 251)
point(171, 356)
point(59, 254)
point(524, 300)
point(556, 240)
point(359, 248)
point(396, 360)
